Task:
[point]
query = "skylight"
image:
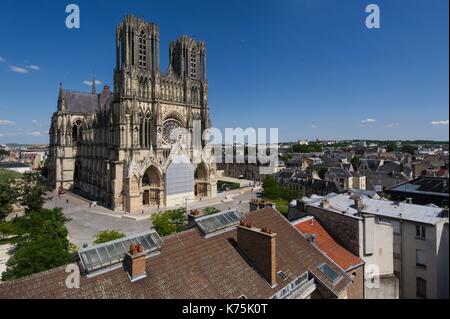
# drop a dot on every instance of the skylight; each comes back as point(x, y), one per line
point(330, 273)
point(213, 223)
point(113, 252)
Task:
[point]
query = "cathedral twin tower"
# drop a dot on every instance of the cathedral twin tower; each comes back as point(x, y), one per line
point(119, 147)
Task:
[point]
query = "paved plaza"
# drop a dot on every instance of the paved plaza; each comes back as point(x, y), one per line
point(87, 220)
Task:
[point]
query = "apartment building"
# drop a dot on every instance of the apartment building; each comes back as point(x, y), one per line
point(419, 253)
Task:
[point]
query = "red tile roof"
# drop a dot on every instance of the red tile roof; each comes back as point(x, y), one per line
point(325, 243)
point(192, 266)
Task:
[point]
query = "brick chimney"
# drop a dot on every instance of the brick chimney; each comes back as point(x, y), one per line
point(193, 215)
point(259, 246)
point(359, 205)
point(135, 263)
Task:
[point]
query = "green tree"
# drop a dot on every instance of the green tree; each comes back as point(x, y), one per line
point(7, 229)
point(33, 192)
point(170, 222)
point(392, 147)
point(42, 244)
point(410, 149)
point(320, 170)
point(273, 191)
point(210, 210)
point(310, 148)
point(9, 191)
point(108, 235)
point(281, 205)
point(4, 153)
point(355, 161)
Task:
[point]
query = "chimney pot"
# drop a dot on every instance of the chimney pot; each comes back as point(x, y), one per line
point(135, 264)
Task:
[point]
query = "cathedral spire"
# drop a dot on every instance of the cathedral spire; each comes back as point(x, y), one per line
point(61, 102)
point(94, 86)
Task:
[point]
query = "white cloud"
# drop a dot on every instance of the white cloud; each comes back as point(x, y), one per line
point(7, 122)
point(314, 126)
point(34, 67)
point(368, 121)
point(445, 122)
point(18, 69)
point(1, 135)
point(36, 133)
point(40, 123)
point(2, 59)
point(90, 82)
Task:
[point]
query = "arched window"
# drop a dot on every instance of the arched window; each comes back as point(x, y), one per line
point(75, 133)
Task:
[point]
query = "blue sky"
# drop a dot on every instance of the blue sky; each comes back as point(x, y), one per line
point(309, 67)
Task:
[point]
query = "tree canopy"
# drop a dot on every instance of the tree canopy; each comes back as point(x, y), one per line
point(310, 148)
point(279, 195)
point(33, 192)
point(108, 235)
point(170, 222)
point(355, 161)
point(392, 147)
point(9, 191)
point(210, 210)
point(410, 149)
point(42, 244)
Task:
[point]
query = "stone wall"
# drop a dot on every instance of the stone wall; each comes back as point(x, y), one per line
point(356, 289)
point(345, 229)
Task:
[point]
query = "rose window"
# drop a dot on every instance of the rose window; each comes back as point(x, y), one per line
point(169, 133)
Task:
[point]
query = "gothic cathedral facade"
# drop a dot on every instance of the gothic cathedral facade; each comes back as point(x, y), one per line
point(118, 147)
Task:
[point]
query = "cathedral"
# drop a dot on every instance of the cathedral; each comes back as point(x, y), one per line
point(124, 147)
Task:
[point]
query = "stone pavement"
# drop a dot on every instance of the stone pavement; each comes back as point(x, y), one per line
point(87, 221)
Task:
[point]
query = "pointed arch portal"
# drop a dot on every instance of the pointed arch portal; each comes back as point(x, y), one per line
point(201, 181)
point(152, 187)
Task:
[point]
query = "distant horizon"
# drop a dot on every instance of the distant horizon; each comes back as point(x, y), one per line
point(285, 142)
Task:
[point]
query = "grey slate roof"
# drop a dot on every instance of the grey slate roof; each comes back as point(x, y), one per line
point(77, 102)
point(425, 185)
point(84, 103)
point(379, 207)
point(337, 172)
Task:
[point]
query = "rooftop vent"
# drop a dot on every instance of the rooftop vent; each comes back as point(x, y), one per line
point(324, 204)
point(282, 275)
point(312, 238)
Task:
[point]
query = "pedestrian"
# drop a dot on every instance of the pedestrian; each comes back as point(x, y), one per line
point(67, 201)
point(142, 212)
